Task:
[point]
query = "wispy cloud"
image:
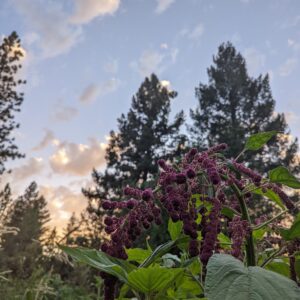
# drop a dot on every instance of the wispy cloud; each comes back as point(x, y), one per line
point(46, 141)
point(193, 33)
point(196, 32)
point(163, 5)
point(93, 91)
point(155, 61)
point(293, 44)
point(49, 26)
point(87, 10)
point(63, 113)
point(32, 167)
point(53, 29)
point(288, 66)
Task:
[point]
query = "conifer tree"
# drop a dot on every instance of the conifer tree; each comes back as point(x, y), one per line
point(144, 135)
point(21, 251)
point(232, 106)
point(10, 98)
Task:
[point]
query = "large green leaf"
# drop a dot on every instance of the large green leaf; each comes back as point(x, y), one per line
point(174, 229)
point(270, 195)
point(138, 254)
point(152, 279)
point(258, 140)
point(283, 176)
point(228, 279)
point(279, 266)
point(100, 261)
point(293, 232)
point(158, 252)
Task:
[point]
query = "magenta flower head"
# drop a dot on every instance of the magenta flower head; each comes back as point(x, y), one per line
point(190, 173)
point(147, 194)
point(180, 178)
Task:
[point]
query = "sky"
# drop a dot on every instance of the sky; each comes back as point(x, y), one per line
point(85, 59)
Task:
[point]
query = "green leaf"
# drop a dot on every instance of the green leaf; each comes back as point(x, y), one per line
point(174, 229)
point(293, 232)
point(153, 279)
point(100, 261)
point(270, 195)
point(227, 278)
point(224, 240)
point(138, 254)
point(157, 253)
point(228, 212)
point(187, 289)
point(258, 234)
point(279, 266)
point(258, 140)
point(283, 176)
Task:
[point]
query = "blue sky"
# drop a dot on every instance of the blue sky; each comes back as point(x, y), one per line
point(84, 59)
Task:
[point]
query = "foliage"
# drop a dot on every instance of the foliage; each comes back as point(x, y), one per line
point(234, 106)
point(195, 192)
point(10, 98)
point(22, 251)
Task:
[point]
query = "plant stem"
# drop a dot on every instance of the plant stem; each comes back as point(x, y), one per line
point(250, 251)
point(271, 257)
point(240, 154)
point(270, 221)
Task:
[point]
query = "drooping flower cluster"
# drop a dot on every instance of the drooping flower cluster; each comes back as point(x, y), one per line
point(193, 192)
point(210, 232)
point(124, 230)
point(238, 229)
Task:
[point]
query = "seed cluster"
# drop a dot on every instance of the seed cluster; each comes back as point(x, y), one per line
point(238, 229)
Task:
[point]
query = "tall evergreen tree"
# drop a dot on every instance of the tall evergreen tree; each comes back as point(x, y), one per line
point(144, 136)
point(10, 98)
point(233, 106)
point(21, 252)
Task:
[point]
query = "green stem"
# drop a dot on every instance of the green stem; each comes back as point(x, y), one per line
point(240, 154)
point(271, 257)
point(250, 250)
point(269, 221)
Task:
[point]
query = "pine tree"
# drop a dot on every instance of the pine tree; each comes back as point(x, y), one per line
point(144, 136)
point(21, 252)
point(233, 106)
point(10, 98)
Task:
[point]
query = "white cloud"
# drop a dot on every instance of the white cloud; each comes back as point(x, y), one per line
point(49, 26)
point(196, 32)
point(32, 167)
point(166, 84)
point(78, 159)
point(86, 10)
point(150, 62)
point(62, 202)
point(153, 61)
point(254, 60)
point(53, 29)
point(163, 5)
point(47, 140)
point(288, 67)
point(93, 91)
